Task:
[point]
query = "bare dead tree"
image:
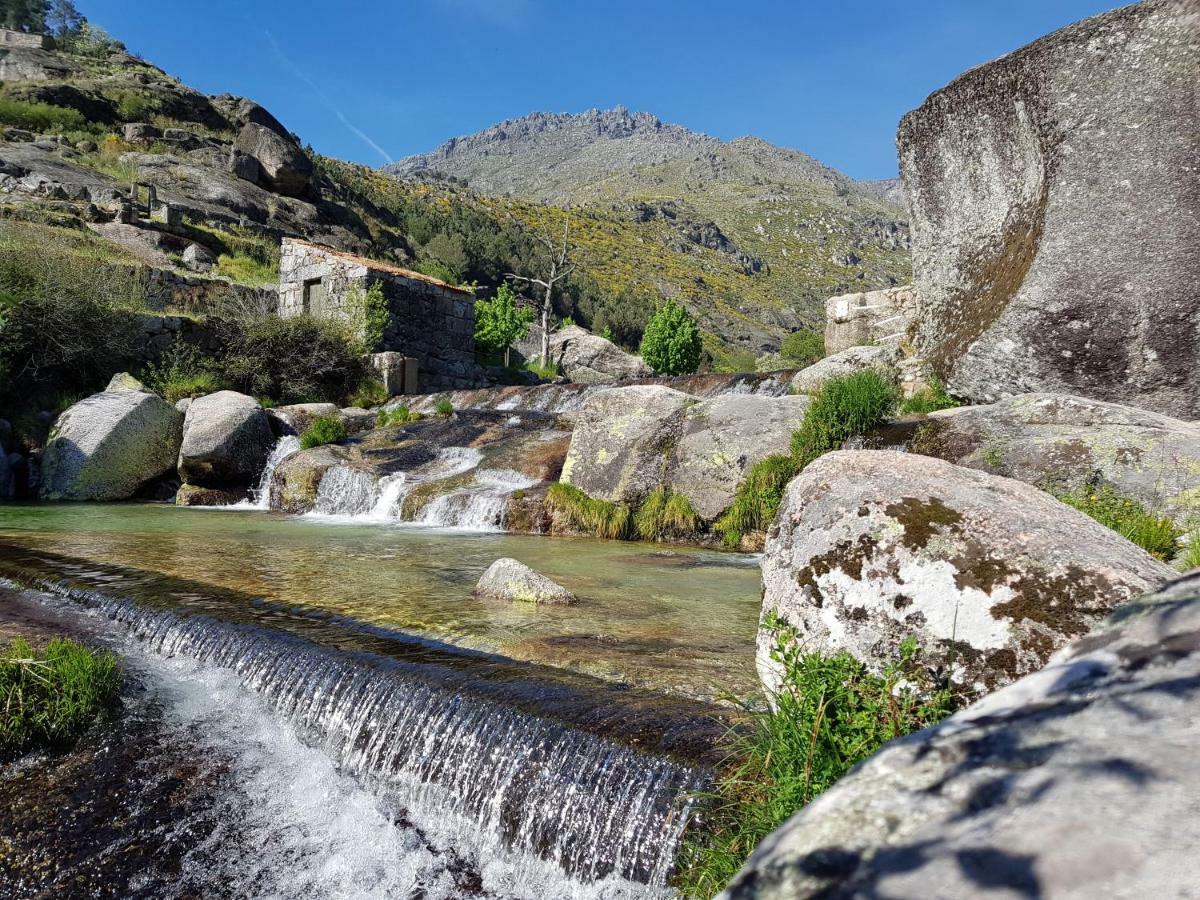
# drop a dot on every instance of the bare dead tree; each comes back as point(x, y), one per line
point(558, 267)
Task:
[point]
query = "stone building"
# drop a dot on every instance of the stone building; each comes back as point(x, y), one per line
point(430, 321)
point(25, 39)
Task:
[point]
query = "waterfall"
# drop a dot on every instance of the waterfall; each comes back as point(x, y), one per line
point(429, 735)
point(478, 507)
point(344, 491)
point(284, 447)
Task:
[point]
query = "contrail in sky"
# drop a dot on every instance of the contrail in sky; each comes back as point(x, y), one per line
point(299, 73)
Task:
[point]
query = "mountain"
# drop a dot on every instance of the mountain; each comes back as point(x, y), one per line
point(758, 236)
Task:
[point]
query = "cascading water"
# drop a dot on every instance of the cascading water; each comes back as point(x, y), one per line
point(530, 788)
point(284, 447)
point(478, 507)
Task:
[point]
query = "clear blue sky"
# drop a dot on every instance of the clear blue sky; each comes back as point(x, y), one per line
point(379, 78)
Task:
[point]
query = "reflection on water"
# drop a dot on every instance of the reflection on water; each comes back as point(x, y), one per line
point(681, 619)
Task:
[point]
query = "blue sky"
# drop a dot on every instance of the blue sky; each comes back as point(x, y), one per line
point(377, 79)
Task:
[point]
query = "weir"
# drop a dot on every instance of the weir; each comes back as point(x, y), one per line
point(596, 779)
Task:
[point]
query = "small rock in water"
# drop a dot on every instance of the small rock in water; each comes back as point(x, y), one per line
point(508, 579)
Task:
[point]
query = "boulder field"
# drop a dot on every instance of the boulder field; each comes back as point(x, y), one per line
point(1076, 781)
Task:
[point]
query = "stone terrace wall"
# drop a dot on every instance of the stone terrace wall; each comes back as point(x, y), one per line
point(431, 321)
point(10, 38)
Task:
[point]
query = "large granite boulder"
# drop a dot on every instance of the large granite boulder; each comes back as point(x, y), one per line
point(1078, 781)
point(990, 575)
point(722, 437)
point(1056, 215)
point(621, 447)
point(508, 579)
point(297, 479)
point(844, 362)
point(283, 167)
point(295, 418)
point(109, 445)
point(586, 358)
point(226, 441)
point(1063, 442)
point(867, 318)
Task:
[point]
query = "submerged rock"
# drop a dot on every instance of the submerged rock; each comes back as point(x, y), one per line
point(990, 575)
point(1055, 221)
point(1077, 781)
point(226, 440)
point(1061, 441)
point(194, 495)
point(508, 579)
point(109, 445)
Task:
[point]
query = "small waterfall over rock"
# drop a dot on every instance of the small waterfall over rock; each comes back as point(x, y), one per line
point(284, 447)
point(442, 735)
point(345, 491)
point(479, 506)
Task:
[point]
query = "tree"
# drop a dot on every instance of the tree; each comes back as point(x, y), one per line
point(671, 344)
point(558, 267)
point(62, 18)
point(23, 15)
point(499, 322)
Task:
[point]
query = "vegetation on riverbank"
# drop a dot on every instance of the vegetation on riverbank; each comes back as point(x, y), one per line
point(830, 714)
point(49, 697)
point(323, 430)
point(1157, 535)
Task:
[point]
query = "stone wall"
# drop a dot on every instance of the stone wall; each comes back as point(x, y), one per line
point(429, 320)
point(10, 38)
point(166, 289)
point(873, 317)
point(159, 333)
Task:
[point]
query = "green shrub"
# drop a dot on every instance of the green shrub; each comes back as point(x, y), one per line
point(929, 399)
point(757, 499)
point(444, 407)
point(585, 514)
point(294, 360)
point(846, 406)
point(369, 315)
point(48, 698)
point(671, 344)
point(803, 348)
point(830, 714)
point(322, 430)
point(40, 117)
point(401, 415)
point(1157, 535)
point(181, 372)
point(665, 514)
point(370, 393)
point(543, 371)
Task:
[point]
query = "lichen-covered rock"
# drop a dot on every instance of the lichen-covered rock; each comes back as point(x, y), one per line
point(226, 441)
point(844, 362)
point(1060, 441)
point(721, 438)
point(297, 478)
point(1055, 215)
point(282, 164)
point(1077, 781)
point(868, 318)
point(586, 358)
point(107, 446)
point(990, 575)
point(508, 579)
point(621, 447)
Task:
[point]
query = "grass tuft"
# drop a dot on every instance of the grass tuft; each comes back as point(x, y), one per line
point(322, 430)
point(444, 408)
point(1157, 535)
point(844, 407)
point(591, 516)
point(49, 697)
point(370, 393)
point(830, 714)
point(401, 415)
point(1190, 557)
point(665, 514)
point(757, 499)
point(929, 399)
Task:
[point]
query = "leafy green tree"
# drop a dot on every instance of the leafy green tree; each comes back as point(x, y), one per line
point(499, 322)
point(671, 344)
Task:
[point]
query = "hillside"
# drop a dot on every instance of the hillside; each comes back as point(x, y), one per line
point(752, 238)
point(793, 230)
